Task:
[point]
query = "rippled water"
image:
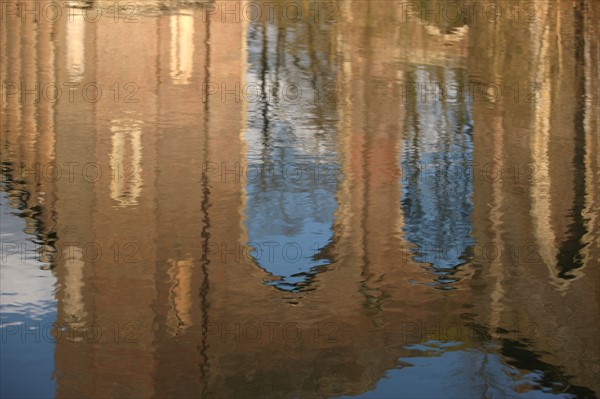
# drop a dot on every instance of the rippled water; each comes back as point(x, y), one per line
point(375, 199)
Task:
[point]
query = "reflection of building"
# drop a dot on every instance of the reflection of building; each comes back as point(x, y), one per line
point(533, 214)
point(169, 283)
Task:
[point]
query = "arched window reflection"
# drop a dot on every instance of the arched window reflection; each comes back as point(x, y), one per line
point(437, 172)
point(292, 165)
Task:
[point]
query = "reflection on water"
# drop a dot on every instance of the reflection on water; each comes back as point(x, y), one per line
point(438, 187)
point(126, 153)
point(75, 43)
point(291, 163)
point(182, 53)
point(360, 205)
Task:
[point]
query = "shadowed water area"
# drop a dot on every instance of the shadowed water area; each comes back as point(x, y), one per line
point(300, 199)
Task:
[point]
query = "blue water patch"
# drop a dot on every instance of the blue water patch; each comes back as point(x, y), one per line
point(464, 374)
point(27, 313)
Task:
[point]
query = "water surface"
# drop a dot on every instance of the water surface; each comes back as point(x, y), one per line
point(340, 199)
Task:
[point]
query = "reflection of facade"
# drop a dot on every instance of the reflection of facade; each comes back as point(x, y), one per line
point(186, 295)
point(532, 214)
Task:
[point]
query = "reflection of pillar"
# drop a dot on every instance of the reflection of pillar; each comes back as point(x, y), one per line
point(540, 142)
point(370, 157)
point(496, 235)
point(46, 150)
point(31, 93)
point(125, 229)
point(225, 125)
point(11, 105)
point(4, 34)
point(180, 305)
point(591, 239)
point(591, 251)
point(72, 212)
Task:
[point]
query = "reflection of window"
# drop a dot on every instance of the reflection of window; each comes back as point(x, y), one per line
point(182, 47)
point(291, 176)
point(437, 187)
point(73, 307)
point(180, 296)
point(125, 161)
point(290, 203)
point(76, 48)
